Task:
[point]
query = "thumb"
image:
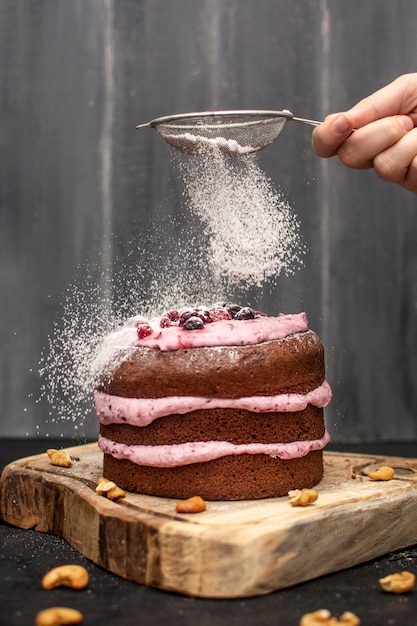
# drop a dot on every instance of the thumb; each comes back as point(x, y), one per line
point(327, 137)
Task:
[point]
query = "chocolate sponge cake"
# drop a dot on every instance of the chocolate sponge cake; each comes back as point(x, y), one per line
point(226, 403)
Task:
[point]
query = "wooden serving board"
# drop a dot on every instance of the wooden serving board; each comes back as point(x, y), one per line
point(233, 549)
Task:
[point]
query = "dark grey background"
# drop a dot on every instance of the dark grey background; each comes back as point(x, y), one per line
point(78, 183)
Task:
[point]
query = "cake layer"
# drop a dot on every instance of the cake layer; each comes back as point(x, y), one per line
point(235, 426)
point(243, 477)
point(294, 364)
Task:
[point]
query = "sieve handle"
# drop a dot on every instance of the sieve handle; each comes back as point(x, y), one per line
point(308, 122)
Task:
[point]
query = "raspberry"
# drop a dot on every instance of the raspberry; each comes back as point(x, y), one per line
point(173, 315)
point(165, 321)
point(217, 315)
point(170, 318)
point(143, 330)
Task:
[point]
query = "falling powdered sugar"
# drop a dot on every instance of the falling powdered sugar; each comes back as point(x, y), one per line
point(147, 282)
point(252, 234)
point(249, 236)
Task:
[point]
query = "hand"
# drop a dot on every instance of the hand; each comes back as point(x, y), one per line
point(385, 135)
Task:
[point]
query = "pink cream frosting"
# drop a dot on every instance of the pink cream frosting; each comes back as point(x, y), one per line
point(143, 411)
point(221, 333)
point(202, 451)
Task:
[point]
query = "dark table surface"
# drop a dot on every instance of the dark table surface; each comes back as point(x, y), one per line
point(25, 555)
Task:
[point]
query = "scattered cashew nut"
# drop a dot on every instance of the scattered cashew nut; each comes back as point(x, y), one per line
point(59, 457)
point(109, 489)
point(302, 497)
point(323, 617)
point(192, 505)
point(398, 583)
point(58, 616)
point(383, 473)
point(74, 576)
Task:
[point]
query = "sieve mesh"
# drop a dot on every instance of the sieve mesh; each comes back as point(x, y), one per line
point(226, 133)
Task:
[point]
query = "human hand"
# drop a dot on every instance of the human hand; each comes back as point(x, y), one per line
point(385, 136)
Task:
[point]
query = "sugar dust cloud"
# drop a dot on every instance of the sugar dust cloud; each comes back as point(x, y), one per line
point(242, 233)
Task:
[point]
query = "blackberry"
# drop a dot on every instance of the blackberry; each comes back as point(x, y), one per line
point(246, 313)
point(202, 313)
point(193, 323)
point(233, 309)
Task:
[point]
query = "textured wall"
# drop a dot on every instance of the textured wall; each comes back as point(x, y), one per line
point(78, 184)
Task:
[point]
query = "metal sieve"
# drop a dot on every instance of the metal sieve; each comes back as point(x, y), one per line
point(227, 133)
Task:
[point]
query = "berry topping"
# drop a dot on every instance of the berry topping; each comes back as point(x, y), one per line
point(164, 321)
point(202, 313)
point(173, 315)
point(233, 309)
point(143, 330)
point(218, 312)
point(170, 318)
point(246, 313)
point(216, 315)
point(193, 323)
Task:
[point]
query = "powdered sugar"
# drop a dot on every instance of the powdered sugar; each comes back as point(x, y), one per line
point(242, 234)
point(202, 146)
point(251, 231)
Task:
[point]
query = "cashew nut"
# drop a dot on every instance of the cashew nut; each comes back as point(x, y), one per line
point(324, 617)
point(192, 505)
point(383, 473)
point(349, 619)
point(59, 457)
point(74, 576)
point(398, 583)
point(302, 497)
point(58, 616)
point(109, 489)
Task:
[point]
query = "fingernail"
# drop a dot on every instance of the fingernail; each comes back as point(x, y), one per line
point(341, 125)
point(406, 122)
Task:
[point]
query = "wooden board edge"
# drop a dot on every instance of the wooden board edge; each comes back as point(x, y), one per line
point(169, 556)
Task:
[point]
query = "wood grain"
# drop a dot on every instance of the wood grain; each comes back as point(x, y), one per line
point(233, 549)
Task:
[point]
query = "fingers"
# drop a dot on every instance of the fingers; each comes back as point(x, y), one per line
point(389, 145)
point(396, 98)
point(357, 149)
point(398, 163)
point(364, 145)
point(384, 137)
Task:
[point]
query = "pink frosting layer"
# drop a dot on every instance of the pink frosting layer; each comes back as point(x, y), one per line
point(203, 451)
point(143, 411)
point(221, 333)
